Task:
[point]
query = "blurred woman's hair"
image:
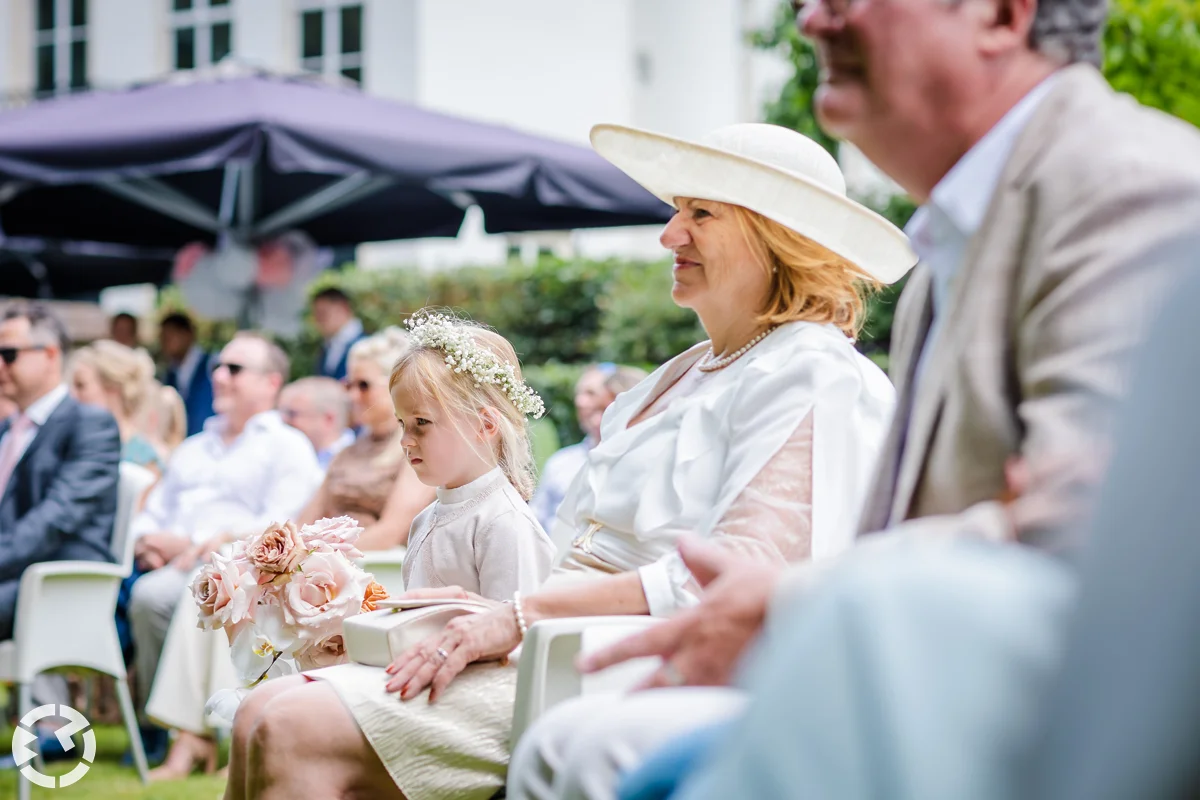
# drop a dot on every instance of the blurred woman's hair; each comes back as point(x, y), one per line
point(121, 370)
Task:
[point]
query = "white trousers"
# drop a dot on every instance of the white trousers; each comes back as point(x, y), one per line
point(580, 749)
point(195, 665)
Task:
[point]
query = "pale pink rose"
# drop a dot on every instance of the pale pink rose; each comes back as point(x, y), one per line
point(336, 534)
point(327, 590)
point(325, 653)
point(278, 550)
point(226, 591)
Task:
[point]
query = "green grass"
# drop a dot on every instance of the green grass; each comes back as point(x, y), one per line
point(107, 779)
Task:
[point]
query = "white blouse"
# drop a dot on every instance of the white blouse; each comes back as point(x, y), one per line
point(803, 392)
point(482, 537)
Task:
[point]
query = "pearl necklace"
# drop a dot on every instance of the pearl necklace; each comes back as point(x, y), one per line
point(711, 364)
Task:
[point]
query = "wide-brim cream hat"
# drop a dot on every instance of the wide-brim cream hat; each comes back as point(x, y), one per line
point(781, 174)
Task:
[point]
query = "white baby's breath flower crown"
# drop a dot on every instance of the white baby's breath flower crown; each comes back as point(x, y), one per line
point(447, 334)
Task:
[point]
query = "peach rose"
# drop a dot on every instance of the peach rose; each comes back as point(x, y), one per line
point(317, 598)
point(226, 591)
point(278, 550)
point(337, 534)
point(325, 653)
point(372, 595)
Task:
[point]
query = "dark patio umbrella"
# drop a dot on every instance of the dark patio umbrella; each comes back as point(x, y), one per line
point(76, 270)
point(253, 155)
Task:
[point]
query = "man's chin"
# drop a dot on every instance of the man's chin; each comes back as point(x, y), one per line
point(838, 106)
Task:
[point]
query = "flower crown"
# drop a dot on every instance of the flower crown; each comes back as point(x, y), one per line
point(464, 354)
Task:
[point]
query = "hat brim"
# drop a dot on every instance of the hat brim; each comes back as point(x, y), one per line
point(670, 168)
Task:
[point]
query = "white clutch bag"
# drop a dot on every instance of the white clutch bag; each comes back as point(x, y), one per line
point(377, 637)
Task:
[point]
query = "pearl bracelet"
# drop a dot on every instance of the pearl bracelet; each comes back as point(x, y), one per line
point(520, 614)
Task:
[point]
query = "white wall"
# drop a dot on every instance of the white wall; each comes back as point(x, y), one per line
point(549, 66)
point(127, 41)
point(391, 48)
point(266, 33)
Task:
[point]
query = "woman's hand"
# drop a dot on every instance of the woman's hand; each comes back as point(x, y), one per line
point(486, 636)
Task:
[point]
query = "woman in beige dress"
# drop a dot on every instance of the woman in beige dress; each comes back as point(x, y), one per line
point(762, 439)
point(370, 481)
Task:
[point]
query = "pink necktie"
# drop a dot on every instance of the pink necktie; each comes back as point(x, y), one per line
point(11, 449)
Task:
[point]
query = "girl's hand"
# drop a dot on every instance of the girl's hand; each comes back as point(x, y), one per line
point(488, 636)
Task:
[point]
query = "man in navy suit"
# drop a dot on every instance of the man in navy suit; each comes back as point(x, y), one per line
point(187, 369)
point(58, 459)
point(339, 329)
point(58, 472)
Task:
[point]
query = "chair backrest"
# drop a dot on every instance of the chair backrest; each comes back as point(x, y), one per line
point(133, 483)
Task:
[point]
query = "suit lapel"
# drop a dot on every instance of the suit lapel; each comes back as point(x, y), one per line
point(908, 339)
point(992, 258)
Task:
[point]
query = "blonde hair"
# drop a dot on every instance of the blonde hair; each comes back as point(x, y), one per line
point(423, 371)
point(383, 348)
point(128, 372)
point(808, 281)
point(172, 418)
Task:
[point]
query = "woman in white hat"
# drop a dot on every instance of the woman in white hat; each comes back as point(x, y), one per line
point(762, 437)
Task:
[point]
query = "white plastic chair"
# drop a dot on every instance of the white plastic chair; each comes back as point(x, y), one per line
point(388, 568)
point(546, 673)
point(66, 618)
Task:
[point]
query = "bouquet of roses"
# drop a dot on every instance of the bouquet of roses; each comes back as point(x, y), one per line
point(281, 597)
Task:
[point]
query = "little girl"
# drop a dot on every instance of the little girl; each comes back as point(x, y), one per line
point(462, 405)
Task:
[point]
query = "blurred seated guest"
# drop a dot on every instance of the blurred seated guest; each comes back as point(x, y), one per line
point(164, 420)
point(318, 408)
point(339, 328)
point(598, 386)
point(187, 369)
point(246, 469)
point(58, 469)
point(123, 329)
point(110, 375)
point(370, 480)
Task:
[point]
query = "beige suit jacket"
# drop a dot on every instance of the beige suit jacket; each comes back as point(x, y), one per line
point(1032, 356)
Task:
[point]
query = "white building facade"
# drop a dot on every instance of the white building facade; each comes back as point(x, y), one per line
point(551, 67)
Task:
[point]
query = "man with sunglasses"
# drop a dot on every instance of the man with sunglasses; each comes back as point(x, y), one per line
point(246, 469)
point(58, 470)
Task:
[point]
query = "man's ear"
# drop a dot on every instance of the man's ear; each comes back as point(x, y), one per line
point(1007, 25)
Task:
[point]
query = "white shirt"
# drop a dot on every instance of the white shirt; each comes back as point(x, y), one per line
point(267, 474)
point(557, 476)
point(38, 413)
point(482, 537)
point(186, 369)
point(678, 471)
point(337, 345)
point(941, 229)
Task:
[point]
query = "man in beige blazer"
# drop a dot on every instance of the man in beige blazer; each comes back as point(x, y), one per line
point(1046, 200)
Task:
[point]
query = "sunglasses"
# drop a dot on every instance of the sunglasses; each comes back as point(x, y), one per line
point(9, 354)
point(362, 386)
point(234, 369)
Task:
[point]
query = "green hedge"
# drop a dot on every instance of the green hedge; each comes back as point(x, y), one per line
point(559, 316)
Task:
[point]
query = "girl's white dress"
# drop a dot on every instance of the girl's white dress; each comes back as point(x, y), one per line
point(771, 454)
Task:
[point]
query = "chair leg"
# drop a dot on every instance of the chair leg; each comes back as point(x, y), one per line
point(131, 725)
point(24, 706)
